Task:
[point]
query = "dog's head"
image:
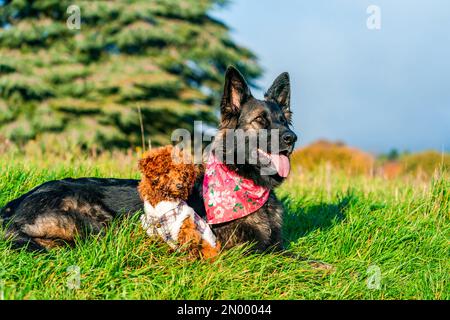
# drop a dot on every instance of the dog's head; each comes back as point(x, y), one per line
point(262, 139)
point(167, 174)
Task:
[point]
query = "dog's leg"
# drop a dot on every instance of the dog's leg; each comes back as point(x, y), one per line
point(20, 240)
point(43, 232)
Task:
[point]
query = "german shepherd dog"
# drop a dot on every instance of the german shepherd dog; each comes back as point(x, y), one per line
point(57, 212)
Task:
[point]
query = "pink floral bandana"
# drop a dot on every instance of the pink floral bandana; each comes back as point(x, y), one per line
point(228, 196)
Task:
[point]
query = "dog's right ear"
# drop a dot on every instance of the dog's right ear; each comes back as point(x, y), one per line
point(235, 93)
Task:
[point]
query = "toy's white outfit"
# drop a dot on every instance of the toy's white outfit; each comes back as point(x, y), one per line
point(166, 218)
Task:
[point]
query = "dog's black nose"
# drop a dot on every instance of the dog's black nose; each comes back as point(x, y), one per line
point(179, 185)
point(289, 138)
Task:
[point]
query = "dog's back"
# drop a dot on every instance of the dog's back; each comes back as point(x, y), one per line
point(57, 211)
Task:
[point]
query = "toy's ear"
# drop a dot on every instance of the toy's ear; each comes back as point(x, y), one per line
point(143, 164)
point(147, 163)
point(155, 160)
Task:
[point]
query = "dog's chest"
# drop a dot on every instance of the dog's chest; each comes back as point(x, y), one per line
point(268, 220)
point(263, 228)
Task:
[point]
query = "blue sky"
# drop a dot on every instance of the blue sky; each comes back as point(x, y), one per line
point(373, 89)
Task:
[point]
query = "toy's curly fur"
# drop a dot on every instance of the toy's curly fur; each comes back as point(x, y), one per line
point(164, 178)
point(169, 174)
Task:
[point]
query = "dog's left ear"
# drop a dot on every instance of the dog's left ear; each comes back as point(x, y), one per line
point(280, 92)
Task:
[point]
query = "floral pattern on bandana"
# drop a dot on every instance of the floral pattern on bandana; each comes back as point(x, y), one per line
point(228, 196)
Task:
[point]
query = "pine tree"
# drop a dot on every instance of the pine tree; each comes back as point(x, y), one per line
point(84, 86)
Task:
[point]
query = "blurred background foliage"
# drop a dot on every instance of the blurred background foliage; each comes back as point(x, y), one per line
point(83, 87)
point(79, 90)
point(336, 156)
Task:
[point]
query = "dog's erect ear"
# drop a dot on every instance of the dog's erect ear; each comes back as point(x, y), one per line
point(280, 92)
point(235, 93)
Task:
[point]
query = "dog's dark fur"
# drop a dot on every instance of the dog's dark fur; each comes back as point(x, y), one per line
point(57, 211)
point(240, 110)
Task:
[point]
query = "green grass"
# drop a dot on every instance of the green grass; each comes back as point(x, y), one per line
point(353, 223)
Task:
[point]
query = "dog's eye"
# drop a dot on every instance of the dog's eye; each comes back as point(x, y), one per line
point(281, 118)
point(261, 120)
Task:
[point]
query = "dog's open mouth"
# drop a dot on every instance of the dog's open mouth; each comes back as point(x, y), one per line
point(279, 162)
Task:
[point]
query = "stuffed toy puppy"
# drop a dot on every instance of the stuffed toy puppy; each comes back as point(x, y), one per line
point(168, 176)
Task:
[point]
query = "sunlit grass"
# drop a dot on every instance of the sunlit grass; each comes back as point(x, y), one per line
point(400, 226)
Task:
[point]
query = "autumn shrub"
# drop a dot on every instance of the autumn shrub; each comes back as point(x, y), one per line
point(335, 154)
point(426, 162)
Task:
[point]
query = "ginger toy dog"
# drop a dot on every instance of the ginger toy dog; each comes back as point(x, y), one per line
point(168, 176)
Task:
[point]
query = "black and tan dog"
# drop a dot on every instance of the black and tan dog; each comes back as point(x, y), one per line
point(241, 111)
point(57, 211)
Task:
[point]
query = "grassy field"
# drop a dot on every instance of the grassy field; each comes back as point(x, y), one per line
point(385, 239)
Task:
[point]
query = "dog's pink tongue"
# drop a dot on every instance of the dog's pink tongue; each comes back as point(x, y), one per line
point(281, 163)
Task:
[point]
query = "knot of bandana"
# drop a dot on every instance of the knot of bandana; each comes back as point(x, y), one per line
point(228, 196)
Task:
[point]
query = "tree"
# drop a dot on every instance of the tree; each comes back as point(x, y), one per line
point(393, 155)
point(59, 83)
